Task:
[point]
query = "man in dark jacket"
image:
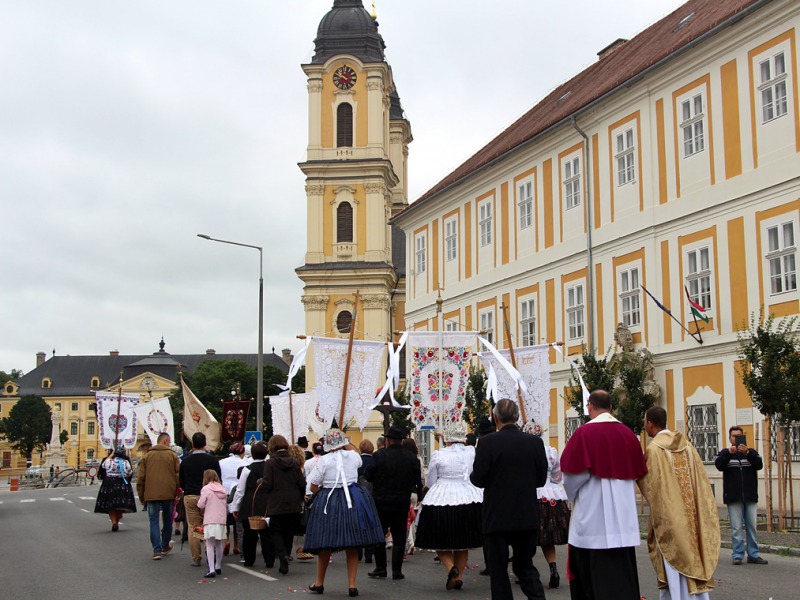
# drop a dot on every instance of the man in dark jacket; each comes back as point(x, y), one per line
point(740, 492)
point(251, 500)
point(395, 475)
point(509, 466)
point(191, 480)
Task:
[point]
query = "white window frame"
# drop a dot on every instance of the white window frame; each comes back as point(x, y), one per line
point(772, 87)
point(420, 254)
point(698, 275)
point(781, 257)
point(486, 319)
point(630, 297)
point(451, 239)
point(485, 222)
point(693, 124)
point(450, 325)
point(527, 321)
point(525, 204)
point(572, 182)
point(625, 157)
point(576, 328)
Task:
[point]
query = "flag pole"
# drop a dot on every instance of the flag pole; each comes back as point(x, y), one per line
point(347, 365)
point(694, 316)
point(507, 329)
point(291, 418)
point(119, 406)
point(440, 322)
point(666, 310)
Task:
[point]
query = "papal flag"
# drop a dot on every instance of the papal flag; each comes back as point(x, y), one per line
point(197, 418)
point(156, 418)
point(116, 418)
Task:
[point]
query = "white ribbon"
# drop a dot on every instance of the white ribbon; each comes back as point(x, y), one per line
point(337, 459)
point(297, 362)
point(584, 391)
point(519, 382)
point(393, 375)
point(491, 384)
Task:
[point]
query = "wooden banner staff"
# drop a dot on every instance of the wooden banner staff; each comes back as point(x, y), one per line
point(291, 417)
point(347, 364)
point(119, 407)
point(507, 329)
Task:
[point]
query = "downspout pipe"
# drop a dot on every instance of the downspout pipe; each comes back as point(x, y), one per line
point(589, 256)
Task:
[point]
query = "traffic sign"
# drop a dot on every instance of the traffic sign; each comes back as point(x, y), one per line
point(251, 437)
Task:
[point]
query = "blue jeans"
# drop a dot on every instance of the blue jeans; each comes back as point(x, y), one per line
point(743, 513)
point(160, 539)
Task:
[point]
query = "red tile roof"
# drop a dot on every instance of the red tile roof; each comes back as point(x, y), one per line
point(673, 33)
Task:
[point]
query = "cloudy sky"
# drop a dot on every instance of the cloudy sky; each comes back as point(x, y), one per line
point(128, 127)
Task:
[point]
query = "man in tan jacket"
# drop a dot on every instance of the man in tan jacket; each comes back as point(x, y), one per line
point(157, 484)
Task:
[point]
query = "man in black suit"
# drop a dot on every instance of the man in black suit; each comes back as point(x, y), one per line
point(509, 466)
point(395, 474)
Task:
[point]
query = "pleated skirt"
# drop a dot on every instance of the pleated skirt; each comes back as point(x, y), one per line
point(553, 522)
point(450, 527)
point(115, 494)
point(338, 527)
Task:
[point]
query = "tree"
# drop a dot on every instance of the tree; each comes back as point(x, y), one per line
point(401, 418)
point(28, 425)
point(476, 407)
point(597, 375)
point(63, 437)
point(12, 376)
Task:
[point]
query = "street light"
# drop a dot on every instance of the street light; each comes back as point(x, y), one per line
point(260, 364)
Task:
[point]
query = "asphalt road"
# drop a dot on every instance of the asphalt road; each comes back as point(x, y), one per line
point(53, 546)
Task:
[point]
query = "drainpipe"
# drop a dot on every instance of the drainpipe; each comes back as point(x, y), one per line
point(589, 258)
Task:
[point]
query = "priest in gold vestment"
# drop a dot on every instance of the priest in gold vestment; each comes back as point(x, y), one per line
point(683, 534)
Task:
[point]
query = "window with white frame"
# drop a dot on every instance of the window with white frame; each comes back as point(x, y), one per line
point(575, 312)
point(572, 182)
point(626, 163)
point(527, 321)
point(450, 325)
point(525, 204)
point(90, 454)
point(487, 325)
point(772, 86)
point(703, 430)
point(572, 425)
point(692, 125)
point(485, 223)
point(630, 297)
point(451, 239)
point(781, 258)
point(420, 254)
point(698, 276)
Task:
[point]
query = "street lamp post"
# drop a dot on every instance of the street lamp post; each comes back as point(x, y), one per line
point(260, 363)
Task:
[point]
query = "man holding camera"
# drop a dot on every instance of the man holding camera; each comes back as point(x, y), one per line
point(740, 493)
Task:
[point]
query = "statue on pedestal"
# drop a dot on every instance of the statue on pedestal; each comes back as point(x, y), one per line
point(56, 455)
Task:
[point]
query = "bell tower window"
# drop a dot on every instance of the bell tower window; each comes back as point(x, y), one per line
point(344, 125)
point(344, 223)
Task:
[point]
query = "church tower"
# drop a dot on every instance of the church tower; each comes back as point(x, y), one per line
point(356, 180)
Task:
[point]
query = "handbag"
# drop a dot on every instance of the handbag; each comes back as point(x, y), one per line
point(256, 523)
point(303, 524)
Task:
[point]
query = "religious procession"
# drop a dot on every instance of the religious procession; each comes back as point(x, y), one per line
point(500, 491)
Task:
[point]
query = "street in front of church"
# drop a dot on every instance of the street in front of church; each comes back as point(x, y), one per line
point(54, 546)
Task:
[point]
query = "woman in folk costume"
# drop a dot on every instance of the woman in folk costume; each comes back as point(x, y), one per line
point(553, 507)
point(450, 518)
point(116, 494)
point(343, 515)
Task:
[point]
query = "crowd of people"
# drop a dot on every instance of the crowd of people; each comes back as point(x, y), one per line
point(506, 492)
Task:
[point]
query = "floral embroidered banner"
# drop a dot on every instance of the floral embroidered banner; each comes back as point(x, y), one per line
point(234, 420)
point(156, 418)
point(116, 418)
point(426, 371)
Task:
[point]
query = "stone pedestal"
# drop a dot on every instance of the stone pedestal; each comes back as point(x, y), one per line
point(56, 455)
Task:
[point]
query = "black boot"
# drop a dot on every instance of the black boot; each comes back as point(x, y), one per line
point(554, 577)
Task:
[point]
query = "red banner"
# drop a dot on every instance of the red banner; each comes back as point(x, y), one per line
point(234, 420)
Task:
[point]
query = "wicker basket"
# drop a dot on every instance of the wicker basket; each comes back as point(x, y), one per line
point(256, 522)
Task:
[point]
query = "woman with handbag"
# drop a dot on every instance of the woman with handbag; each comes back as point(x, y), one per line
point(116, 493)
point(285, 485)
point(250, 507)
point(343, 515)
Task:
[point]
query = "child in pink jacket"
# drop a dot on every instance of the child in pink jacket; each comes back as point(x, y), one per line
point(214, 505)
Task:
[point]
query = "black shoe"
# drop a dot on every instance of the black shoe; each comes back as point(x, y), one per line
point(377, 573)
point(218, 571)
point(756, 561)
point(484, 572)
point(555, 579)
point(352, 592)
point(284, 568)
point(269, 564)
point(210, 575)
point(368, 560)
point(320, 589)
point(459, 584)
point(247, 564)
point(114, 527)
point(451, 578)
point(398, 575)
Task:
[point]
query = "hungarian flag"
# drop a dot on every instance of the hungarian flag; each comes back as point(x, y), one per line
point(698, 311)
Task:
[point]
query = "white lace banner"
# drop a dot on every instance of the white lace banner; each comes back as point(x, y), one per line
point(315, 420)
point(533, 363)
point(116, 418)
point(282, 418)
point(425, 371)
point(156, 418)
point(367, 363)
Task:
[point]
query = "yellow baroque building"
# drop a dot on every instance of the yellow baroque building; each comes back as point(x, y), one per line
point(672, 162)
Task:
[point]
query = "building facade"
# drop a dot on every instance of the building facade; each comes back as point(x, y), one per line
point(671, 163)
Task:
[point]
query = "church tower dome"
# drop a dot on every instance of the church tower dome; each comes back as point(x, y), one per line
point(348, 29)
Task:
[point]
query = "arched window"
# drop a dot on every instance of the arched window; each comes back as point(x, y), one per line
point(344, 125)
point(95, 382)
point(344, 223)
point(343, 321)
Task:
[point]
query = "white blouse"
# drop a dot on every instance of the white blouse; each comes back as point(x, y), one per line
point(448, 477)
point(326, 473)
point(553, 489)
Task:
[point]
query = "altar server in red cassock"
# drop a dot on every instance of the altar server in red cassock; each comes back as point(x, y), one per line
point(601, 463)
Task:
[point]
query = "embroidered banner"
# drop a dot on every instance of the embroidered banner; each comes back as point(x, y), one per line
point(116, 418)
point(533, 363)
point(197, 418)
point(315, 420)
point(156, 418)
point(367, 363)
point(234, 420)
point(427, 373)
point(282, 418)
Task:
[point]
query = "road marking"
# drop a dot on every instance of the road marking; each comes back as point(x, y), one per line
point(28, 500)
point(86, 498)
point(84, 510)
point(250, 571)
point(56, 499)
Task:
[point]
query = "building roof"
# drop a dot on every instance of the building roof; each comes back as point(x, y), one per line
point(621, 63)
point(348, 29)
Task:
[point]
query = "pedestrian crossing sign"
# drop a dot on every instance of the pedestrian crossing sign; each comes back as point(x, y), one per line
point(251, 437)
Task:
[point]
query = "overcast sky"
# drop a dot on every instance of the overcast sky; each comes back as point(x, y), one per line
point(126, 128)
